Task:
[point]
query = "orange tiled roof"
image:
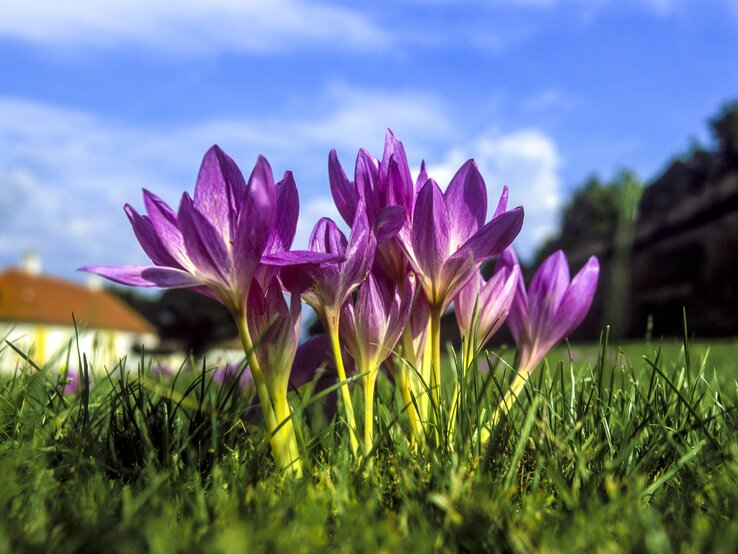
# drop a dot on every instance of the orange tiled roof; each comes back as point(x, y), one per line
point(27, 298)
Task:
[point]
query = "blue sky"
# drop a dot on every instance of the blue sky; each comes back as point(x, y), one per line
point(100, 99)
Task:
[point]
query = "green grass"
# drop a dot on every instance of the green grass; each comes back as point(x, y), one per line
point(610, 453)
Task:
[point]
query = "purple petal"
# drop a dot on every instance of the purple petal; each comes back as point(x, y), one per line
point(371, 315)
point(295, 257)
point(419, 317)
point(389, 222)
point(456, 273)
point(255, 220)
point(464, 302)
point(165, 223)
point(578, 298)
point(311, 356)
point(298, 280)
point(546, 291)
point(343, 191)
point(466, 200)
point(430, 232)
point(327, 237)
point(205, 247)
point(149, 240)
point(350, 335)
point(494, 237)
point(502, 204)
point(422, 176)
point(145, 276)
point(359, 255)
point(394, 173)
point(399, 315)
point(220, 186)
point(367, 183)
point(283, 232)
point(495, 299)
point(393, 149)
point(517, 319)
point(257, 310)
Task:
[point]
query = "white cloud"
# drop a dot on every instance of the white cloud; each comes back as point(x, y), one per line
point(189, 25)
point(528, 162)
point(65, 174)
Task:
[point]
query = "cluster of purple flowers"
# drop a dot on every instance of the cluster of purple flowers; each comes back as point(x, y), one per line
point(412, 250)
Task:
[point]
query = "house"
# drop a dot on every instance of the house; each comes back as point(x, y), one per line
point(38, 314)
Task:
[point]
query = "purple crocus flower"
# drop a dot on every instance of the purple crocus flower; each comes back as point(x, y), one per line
point(71, 381)
point(275, 328)
point(489, 301)
point(161, 370)
point(370, 329)
point(216, 242)
point(447, 238)
point(387, 190)
point(220, 243)
point(230, 371)
point(372, 325)
point(481, 308)
point(327, 288)
point(553, 306)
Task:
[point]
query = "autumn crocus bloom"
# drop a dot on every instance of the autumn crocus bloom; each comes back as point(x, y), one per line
point(326, 288)
point(388, 193)
point(481, 307)
point(552, 307)
point(275, 326)
point(216, 242)
point(448, 238)
point(370, 329)
point(219, 241)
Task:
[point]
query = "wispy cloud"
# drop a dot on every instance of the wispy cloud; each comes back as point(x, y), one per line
point(525, 160)
point(190, 25)
point(547, 99)
point(65, 174)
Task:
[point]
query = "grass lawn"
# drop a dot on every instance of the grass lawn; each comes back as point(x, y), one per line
point(608, 453)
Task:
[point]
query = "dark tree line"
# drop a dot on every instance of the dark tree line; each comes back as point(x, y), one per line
point(619, 219)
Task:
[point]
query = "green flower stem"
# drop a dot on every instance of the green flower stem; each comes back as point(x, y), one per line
point(284, 434)
point(405, 380)
point(370, 380)
point(332, 325)
point(424, 399)
point(279, 441)
point(508, 401)
point(435, 381)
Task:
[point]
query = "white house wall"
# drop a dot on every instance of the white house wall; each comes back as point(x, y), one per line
point(54, 345)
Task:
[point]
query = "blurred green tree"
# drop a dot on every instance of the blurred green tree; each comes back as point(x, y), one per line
point(590, 216)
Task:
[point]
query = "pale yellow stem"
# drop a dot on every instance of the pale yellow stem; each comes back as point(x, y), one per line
point(424, 398)
point(332, 325)
point(436, 362)
point(370, 380)
point(404, 379)
point(507, 403)
point(285, 435)
point(282, 440)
